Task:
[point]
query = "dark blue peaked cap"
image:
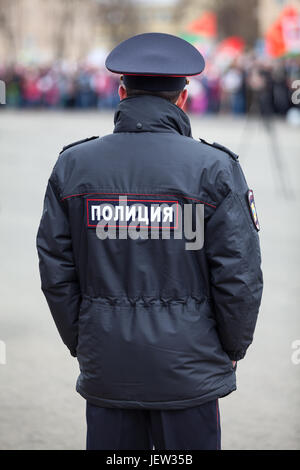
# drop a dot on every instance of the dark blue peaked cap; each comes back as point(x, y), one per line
point(155, 62)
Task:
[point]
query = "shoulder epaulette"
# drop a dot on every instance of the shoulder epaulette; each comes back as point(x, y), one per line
point(78, 142)
point(221, 147)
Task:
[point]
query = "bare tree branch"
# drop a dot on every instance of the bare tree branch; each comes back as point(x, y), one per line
point(119, 18)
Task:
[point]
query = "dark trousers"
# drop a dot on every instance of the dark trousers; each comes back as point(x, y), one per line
point(196, 428)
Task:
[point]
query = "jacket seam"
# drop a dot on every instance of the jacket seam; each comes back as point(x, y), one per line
point(152, 299)
point(138, 194)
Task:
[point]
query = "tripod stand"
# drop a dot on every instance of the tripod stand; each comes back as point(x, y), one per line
point(266, 120)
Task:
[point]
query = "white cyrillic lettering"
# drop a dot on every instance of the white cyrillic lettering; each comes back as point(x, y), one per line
point(155, 213)
point(141, 217)
point(168, 213)
point(96, 212)
point(119, 209)
point(107, 213)
point(130, 213)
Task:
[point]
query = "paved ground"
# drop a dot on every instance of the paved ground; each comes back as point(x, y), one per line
point(39, 408)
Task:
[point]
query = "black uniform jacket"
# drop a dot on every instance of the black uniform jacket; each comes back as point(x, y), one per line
point(153, 324)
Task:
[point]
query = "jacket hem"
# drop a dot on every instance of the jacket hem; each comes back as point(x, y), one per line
point(223, 391)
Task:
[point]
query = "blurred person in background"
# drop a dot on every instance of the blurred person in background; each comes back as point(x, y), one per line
point(31, 92)
point(211, 83)
point(233, 90)
point(260, 89)
point(281, 94)
point(13, 82)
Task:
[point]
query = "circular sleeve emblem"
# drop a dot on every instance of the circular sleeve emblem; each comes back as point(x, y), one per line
point(252, 208)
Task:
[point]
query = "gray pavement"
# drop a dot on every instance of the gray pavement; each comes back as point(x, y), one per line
point(39, 407)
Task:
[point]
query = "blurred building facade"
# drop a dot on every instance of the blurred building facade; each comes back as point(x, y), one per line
point(44, 31)
point(48, 30)
point(41, 31)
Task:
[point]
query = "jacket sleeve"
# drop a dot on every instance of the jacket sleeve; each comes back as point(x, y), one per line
point(57, 269)
point(233, 253)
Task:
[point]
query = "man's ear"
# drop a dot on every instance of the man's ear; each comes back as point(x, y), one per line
point(122, 92)
point(182, 98)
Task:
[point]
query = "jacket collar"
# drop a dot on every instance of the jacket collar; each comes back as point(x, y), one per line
point(148, 113)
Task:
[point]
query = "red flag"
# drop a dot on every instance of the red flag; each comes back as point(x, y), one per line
point(290, 21)
point(205, 25)
point(283, 35)
point(274, 40)
point(231, 46)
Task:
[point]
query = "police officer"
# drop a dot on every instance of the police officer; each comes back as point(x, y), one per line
point(157, 327)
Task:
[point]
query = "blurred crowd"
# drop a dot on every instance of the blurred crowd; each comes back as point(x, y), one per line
point(59, 86)
point(247, 84)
